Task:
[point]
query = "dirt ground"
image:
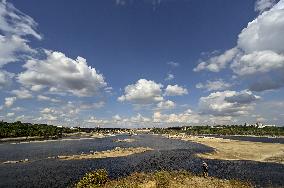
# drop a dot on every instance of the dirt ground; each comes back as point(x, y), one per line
point(226, 149)
point(118, 152)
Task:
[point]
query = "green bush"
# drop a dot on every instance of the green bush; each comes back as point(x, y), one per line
point(93, 179)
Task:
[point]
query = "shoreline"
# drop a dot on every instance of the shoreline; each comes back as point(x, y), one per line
point(42, 138)
point(228, 149)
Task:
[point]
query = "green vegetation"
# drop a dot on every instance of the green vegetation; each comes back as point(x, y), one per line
point(19, 129)
point(222, 130)
point(93, 179)
point(159, 179)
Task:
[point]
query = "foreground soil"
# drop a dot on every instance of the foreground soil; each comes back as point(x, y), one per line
point(165, 179)
point(226, 149)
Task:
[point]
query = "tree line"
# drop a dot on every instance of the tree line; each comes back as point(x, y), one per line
point(223, 130)
point(19, 129)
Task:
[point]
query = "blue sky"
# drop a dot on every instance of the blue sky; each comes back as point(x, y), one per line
point(137, 63)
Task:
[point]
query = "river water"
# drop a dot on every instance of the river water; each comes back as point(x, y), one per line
point(168, 154)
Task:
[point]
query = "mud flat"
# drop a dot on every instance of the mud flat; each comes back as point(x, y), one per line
point(117, 152)
point(227, 149)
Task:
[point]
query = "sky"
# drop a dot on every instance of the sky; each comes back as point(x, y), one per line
point(142, 63)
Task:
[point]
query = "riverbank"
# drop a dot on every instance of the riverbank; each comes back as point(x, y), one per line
point(159, 179)
point(227, 149)
point(63, 136)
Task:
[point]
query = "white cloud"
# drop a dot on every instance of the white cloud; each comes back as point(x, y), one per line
point(185, 117)
point(258, 62)
point(62, 74)
point(14, 22)
point(47, 117)
point(22, 93)
point(217, 63)
point(259, 52)
point(96, 121)
point(9, 101)
point(5, 79)
point(12, 49)
point(262, 5)
point(228, 103)
point(265, 32)
point(18, 109)
point(46, 98)
point(142, 92)
point(47, 111)
point(88, 106)
point(117, 118)
point(214, 85)
point(20, 118)
point(169, 77)
point(139, 119)
point(14, 26)
point(173, 64)
point(165, 105)
point(10, 114)
point(175, 90)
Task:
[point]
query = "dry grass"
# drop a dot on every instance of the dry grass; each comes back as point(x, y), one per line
point(117, 152)
point(227, 149)
point(175, 179)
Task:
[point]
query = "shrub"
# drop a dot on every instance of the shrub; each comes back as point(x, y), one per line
point(93, 179)
point(162, 179)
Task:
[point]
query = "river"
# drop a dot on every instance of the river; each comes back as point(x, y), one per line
point(169, 154)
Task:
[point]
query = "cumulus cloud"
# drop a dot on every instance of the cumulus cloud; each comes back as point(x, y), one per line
point(265, 32)
point(263, 5)
point(214, 85)
point(12, 49)
point(22, 93)
point(258, 62)
point(9, 101)
point(217, 63)
point(228, 103)
point(59, 73)
point(243, 97)
point(96, 121)
point(5, 79)
point(142, 92)
point(268, 83)
point(185, 117)
point(165, 105)
point(259, 53)
point(175, 90)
